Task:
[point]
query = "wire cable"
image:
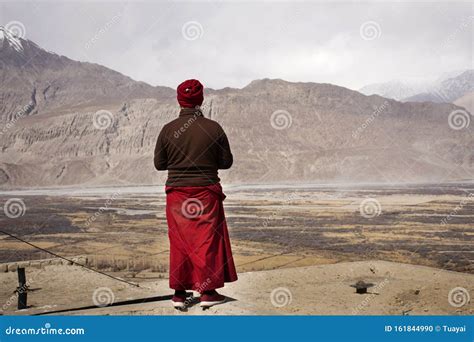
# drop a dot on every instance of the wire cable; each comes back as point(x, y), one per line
point(69, 260)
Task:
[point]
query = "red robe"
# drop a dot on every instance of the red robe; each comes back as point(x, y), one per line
point(200, 253)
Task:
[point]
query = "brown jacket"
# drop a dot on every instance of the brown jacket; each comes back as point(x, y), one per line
point(192, 148)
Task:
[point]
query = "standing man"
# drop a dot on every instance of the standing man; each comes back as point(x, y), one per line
point(192, 148)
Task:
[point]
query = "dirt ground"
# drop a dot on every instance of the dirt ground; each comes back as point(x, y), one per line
point(398, 289)
point(125, 230)
point(122, 231)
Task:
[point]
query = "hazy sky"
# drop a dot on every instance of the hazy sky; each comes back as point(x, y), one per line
point(344, 43)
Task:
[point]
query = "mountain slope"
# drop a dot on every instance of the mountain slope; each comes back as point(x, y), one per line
point(396, 89)
point(47, 82)
point(447, 88)
point(466, 101)
point(90, 133)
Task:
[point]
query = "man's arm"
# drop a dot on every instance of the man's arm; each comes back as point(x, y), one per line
point(161, 157)
point(225, 158)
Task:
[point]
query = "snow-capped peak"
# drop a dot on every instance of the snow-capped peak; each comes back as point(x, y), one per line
point(13, 41)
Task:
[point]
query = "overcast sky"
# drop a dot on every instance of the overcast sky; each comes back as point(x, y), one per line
point(231, 44)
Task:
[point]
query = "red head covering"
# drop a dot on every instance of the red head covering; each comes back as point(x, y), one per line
point(190, 93)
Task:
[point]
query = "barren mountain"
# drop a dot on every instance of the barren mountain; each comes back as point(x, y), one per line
point(448, 90)
point(466, 101)
point(67, 122)
point(396, 89)
point(36, 81)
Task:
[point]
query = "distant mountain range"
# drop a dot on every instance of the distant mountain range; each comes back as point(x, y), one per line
point(396, 89)
point(450, 88)
point(64, 122)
